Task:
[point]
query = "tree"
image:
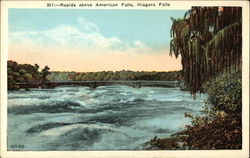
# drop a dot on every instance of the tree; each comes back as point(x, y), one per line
point(22, 71)
point(45, 72)
point(36, 72)
point(209, 41)
point(28, 77)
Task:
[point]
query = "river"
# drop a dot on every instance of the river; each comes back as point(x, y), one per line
point(107, 118)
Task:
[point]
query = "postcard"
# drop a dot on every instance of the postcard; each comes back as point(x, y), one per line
point(124, 79)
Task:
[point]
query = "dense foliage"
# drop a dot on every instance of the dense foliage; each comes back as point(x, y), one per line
point(24, 72)
point(117, 75)
point(209, 41)
point(225, 92)
point(224, 97)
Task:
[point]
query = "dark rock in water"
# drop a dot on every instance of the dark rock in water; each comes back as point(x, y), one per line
point(162, 130)
point(27, 89)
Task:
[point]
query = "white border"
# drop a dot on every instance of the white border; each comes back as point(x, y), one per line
point(173, 5)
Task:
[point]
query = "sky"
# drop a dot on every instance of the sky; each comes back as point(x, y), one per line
point(93, 40)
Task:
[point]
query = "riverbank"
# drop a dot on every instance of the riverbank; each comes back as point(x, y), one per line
point(220, 127)
point(225, 132)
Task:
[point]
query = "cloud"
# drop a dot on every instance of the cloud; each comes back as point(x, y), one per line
point(141, 47)
point(87, 25)
point(85, 36)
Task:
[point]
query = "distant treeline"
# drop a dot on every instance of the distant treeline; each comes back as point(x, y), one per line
point(27, 72)
point(117, 75)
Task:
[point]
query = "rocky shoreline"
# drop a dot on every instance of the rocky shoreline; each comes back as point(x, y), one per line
point(225, 132)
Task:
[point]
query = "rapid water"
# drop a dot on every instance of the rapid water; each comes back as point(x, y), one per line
point(107, 118)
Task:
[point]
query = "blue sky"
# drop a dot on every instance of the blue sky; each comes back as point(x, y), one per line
point(149, 26)
point(86, 33)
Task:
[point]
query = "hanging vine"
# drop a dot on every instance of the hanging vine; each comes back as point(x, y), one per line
point(209, 41)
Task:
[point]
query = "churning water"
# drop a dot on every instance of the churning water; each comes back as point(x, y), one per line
point(107, 118)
